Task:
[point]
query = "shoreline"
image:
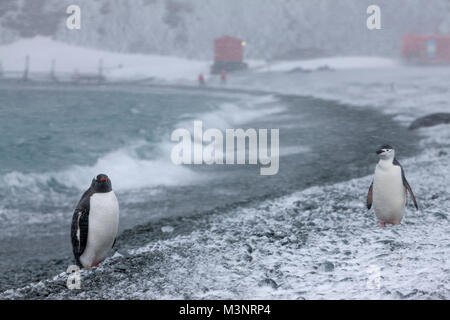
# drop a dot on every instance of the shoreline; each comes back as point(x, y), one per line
point(118, 263)
point(149, 240)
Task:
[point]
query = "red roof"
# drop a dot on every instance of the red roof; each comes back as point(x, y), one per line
point(427, 47)
point(228, 48)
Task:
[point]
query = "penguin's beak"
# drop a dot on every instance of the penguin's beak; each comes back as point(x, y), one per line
point(380, 151)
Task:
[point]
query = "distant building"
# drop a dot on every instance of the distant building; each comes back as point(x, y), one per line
point(228, 55)
point(426, 49)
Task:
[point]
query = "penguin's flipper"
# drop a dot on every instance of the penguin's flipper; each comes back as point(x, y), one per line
point(80, 225)
point(369, 196)
point(408, 187)
point(406, 184)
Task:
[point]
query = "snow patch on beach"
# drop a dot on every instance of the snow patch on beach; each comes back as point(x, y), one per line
point(116, 66)
point(335, 63)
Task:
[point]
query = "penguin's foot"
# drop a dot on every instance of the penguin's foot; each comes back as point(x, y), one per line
point(383, 224)
point(88, 267)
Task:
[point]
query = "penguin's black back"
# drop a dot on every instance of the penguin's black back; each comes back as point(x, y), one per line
point(80, 225)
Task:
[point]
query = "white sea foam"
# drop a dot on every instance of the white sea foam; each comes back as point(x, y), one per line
point(234, 115)
point(230, 115)
point(128, 170)
point(124, 166)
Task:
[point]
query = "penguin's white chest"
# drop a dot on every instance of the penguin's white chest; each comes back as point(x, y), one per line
point(103, 227)
point(389, 194)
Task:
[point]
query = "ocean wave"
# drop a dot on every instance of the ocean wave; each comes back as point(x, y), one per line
point(129, 169)
point(124, 166)
point(229, 115)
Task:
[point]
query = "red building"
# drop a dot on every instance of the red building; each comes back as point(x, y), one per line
point(426, 49)
point(228, 55)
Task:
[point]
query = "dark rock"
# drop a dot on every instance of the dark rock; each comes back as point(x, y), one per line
point(306, 205)
point(440, 215)
point(299, 70)
point(430, 120)
point(325, 68)
point(268, 282)
point(121, 267)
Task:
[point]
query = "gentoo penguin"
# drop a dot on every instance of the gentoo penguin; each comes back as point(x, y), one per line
point(95, 223)
point(388, 189)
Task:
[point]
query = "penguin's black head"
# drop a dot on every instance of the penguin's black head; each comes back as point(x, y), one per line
point(102, 183)
point(385, 151)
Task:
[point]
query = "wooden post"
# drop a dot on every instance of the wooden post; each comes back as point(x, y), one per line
point(76, 76)
point(27, 68)
point(52, 71)
point(100, 70)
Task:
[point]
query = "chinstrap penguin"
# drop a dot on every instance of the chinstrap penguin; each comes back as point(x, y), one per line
point(388, 190)
point(95, 223)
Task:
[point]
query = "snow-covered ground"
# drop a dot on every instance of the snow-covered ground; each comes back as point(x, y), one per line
point(335, 63)
point(320, 243)
point(117, 66)
point(317, 243)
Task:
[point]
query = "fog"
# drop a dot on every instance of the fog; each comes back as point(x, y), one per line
point(281, 29)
